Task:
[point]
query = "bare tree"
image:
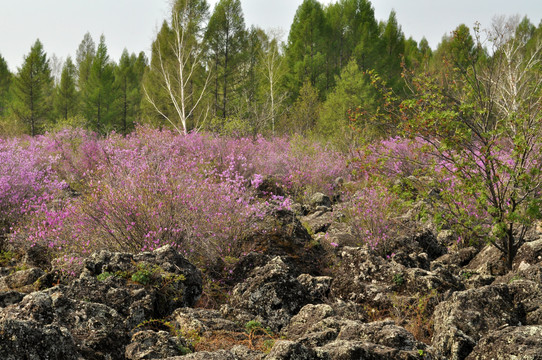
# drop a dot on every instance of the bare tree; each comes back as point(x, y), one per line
point(179, 59)
point(273, 71)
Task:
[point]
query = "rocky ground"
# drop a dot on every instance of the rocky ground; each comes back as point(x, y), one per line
point(295, 296)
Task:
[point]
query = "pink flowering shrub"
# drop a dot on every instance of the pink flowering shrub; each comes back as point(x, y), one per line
point(27, 180)
point(371, 212)
point(140, 192)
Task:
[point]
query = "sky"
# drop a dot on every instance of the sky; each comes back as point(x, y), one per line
point(132, 24)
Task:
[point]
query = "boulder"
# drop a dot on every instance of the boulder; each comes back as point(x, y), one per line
point(21, 279)
point(150, 344)
point(272, 294)
point(467, 316)
point(280, 233)
point(98, 330)
point(512, 342)
point(23, 339)
point(145, 286)
point(286, 350)
point(318, 221)
point(318, 199)
point(350, 350)
point(363, 277)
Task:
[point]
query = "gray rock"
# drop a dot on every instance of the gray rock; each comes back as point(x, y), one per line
point(319, 199)
point(272, 294)
point(20, 279)
point(10, 297)
point(150, 344)
point(21, 339)
point(466, 316)
point(307, 317)
point(350, 350)
point(382, 333)
point(287, 350)
point(521, 342)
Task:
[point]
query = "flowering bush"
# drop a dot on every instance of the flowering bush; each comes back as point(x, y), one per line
point(152, 188)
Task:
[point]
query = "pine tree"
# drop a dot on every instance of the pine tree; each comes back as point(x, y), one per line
point(33, 88)
point(5, 83)
point(84, 57)
point(99, 94)
point(226, 38)
point(305, 52)
point(128, 76)
point(354, 32)
point(66, 97)
point(392, 51)
point(305, 111)
point(352, 91)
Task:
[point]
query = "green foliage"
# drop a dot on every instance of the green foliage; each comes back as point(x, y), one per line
point(5, 84)
point(226, 37)
point(84, 58)
point(352, 91)
point(100, 93)
point(66, 98)
point(105, 275)
point(128, 78)
point(305, 111)
point(32, 89)
point(305, 52)
point(398, 279)
point(484, 126)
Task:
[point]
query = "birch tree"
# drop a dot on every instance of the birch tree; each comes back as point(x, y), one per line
point(177, 66)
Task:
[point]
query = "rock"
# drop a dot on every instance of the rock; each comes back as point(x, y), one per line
point(10, 297)
point(339, 234)
point(206, 355)
point(318, 221)
point(287, 350)
point(446, 237)
point(282, 234)
point(489, 261)
point(513, 342)
point(20, 279)
point(529, 253)
point(363, 277)
point(145, 286)
point(306, 318)
point(245, 265)
point(319, 199)
point(457, 258)
point(466, 316)
point(20, 339)
point(272, 294)
point(203, 320)
point(36, 256)
point(150, 344)
point(244, 353)
point(317, 287)
point(382, 333)
point(349, 350)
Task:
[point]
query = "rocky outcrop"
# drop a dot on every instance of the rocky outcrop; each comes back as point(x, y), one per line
point(417, 300)
point(273, 294)
point(92, 315)
point(22, 339)
point(512, 342)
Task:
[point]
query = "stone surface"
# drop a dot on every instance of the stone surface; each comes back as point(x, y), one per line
point(150, 344)
point(466, 316)
point(272, 294)
point(20, 339)
point(523, 342)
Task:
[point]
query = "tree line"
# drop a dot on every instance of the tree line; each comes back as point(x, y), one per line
point(208, 70)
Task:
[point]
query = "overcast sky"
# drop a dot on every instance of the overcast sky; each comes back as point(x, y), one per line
point(132, 24)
